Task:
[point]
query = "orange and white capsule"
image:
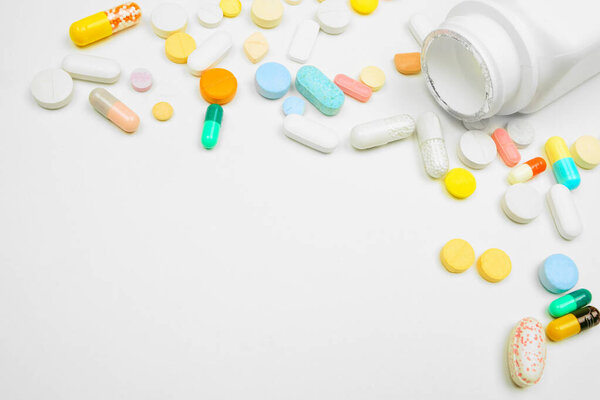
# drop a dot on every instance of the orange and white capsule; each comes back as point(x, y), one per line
point(114, 110)
point(104, 24)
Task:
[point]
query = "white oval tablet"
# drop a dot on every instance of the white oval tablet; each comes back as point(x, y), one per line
point(333, 16)
point(52, 88)
point(209, 53)
point(522, 203)
point(476, 149)
point(521, 132)
point(91, 68)
point(303, 41)
point(310, 133)
point(168, 18)
point(564, 211)
point(209, 13)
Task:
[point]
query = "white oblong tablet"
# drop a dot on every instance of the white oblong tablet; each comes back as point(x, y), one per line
point(209, 13)
point(522, 203)
point(52, 88)
point(92, 68)
point(476, 149)
point(303, 41)
point(333, 16)
point(310, 133)
point(209, 53)
point(168, 18)
point(420, 26)
point(521, 132)
point(564, 211)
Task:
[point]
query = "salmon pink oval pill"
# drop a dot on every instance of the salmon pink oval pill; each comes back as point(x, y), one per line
point(353, 88)
point(506, 148)
point(141, 80)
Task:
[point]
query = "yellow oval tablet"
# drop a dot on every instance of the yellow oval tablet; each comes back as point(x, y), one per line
point(457, 256)
point(179, 46)
point(231, 8)
point(162, 111)
point(460, 183)
point(494, 265)
point(364, 6)
point(373, 77)
point(586, 152)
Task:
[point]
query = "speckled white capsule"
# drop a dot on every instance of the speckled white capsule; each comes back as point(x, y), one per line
point(527, 352)
point(432, 145)
point(382, 131)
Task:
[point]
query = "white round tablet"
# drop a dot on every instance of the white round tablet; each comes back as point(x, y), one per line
point(209, 13)
point(522, 203)
point(521, 132)
point(476, 149)
point(333, 16)
point(168, 18)
point(52, 88)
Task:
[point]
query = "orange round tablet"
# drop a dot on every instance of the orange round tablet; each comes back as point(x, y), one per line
point(218, 86)
point(408, 63)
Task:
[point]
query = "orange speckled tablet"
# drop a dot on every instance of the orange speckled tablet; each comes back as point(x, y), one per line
point(218, 86)
point(408, 63)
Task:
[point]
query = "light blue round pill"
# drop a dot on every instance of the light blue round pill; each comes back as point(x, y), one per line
point(294, 105)
point(558, 273)
point(273, 80)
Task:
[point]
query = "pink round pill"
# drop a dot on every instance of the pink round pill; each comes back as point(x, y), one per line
point(141, 79)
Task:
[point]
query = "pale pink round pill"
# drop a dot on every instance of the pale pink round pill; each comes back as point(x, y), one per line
point(141, 79)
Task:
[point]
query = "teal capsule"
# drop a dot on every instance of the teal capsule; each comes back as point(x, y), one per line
point(212, 126)
point(570, 302)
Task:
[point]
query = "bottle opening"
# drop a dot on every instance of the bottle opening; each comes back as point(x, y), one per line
point(456, 76)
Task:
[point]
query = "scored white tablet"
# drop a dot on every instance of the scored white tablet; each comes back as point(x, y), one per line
point(209, 53)
point(303, 41)
point(92, 68)
point(333, 16)
point(52, 88)
point(310, 133)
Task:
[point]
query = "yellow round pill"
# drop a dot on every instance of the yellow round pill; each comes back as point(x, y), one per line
point(162, 111)
point(460, 183)
point(457, 255)
point(373, 77)
point(364, 6)
point(586, 152)
point(494, 265)
point(231, 8)
point(179, 46)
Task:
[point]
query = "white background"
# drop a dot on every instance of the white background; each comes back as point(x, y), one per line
point(145, 267)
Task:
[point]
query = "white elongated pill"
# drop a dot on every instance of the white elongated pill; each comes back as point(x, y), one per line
point(527, 352)
point(382, 131)
point(564, 211)
point(92, 68)
point(522, 203)
point(52, 88)
point(209, 53)
point(420, 26)
point(521, 132)
point(333, 16)
point(310, 133)
point(303, 41)
point(168, 18)
point(476, 149)
point(432, 145)
point(209, 13)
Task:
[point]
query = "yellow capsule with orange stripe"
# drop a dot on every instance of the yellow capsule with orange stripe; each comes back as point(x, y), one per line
point(105, 23)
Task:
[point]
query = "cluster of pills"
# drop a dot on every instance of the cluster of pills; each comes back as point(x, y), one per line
point(493, 265)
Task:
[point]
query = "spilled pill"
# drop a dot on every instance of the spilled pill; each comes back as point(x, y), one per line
point(319, 90)
point(91, 68)
point(114, 110)
point(310, 133)
point(382, 131)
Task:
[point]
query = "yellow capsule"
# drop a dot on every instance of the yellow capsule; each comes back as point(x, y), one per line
point(573, 323)
point(557, 149)
point(104, 24)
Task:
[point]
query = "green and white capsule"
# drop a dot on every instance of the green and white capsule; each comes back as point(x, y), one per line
point(212, 126)
point(570, 302)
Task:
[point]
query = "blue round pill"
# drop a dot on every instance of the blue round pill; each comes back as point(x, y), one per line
point(558, 273)
point(293, 105)
point(273, 80)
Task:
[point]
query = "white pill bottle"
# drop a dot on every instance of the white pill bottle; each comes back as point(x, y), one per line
point(499, 57)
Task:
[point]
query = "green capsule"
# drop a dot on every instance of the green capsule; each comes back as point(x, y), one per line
point(212, 125)
point(570, 302)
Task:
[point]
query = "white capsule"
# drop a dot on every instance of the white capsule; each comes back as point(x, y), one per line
point(382, 131)
point(432, 145)
point(209, 53)
point(310, 133)
point(564, 211)
point(91, 68)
